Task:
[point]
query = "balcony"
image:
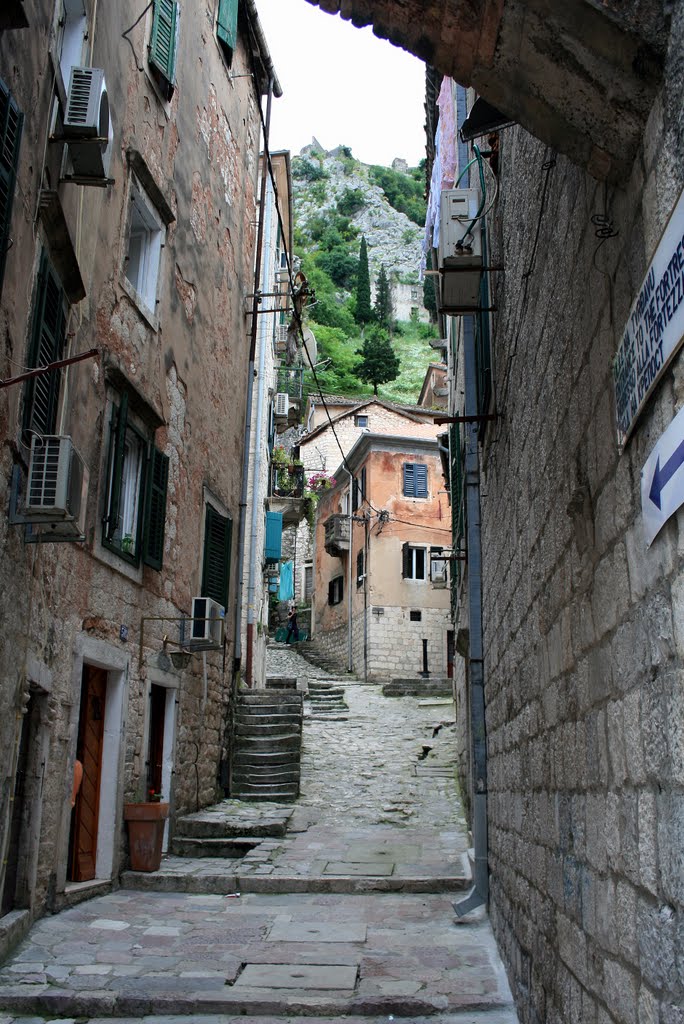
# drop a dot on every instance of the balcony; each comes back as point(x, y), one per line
point(287, 481)
point(291, 382)
point(337, 534)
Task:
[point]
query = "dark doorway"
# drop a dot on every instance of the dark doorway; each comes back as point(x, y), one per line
point(451, 648)
point(156, 741)
point(83, 845)
point(18, 808)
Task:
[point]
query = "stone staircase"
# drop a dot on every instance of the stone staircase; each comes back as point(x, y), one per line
point(326, 699)
point(227, 830)
point(321, 658)
point(267, 745)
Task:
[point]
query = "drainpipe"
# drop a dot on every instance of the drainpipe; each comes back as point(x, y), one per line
point(256, 469)
point(479, 893)
point(350, 655)
point(248, 412)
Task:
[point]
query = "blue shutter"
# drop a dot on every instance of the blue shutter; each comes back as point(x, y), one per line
point(273, 547)
point(409, 484)
point(226, 24)
point(420, 473)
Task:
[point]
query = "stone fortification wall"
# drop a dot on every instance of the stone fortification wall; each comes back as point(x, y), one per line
point(583, 625)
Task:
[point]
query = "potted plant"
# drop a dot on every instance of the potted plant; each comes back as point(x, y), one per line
point(146, 820)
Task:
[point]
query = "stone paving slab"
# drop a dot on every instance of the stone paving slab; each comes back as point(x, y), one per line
point(133, 953)
point(471, 1017)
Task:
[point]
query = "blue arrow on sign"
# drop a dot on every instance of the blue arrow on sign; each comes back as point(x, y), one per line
point(661, 477)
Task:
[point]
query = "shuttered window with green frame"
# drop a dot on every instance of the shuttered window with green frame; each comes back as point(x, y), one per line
point(226, 25)
point(48, 337)
point(147, 535)
point(163, 42)
point(218, 531)
point(11, 123)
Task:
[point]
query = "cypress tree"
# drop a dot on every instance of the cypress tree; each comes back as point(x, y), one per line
point(384, 307)
point(364, 313)
point(379, 363)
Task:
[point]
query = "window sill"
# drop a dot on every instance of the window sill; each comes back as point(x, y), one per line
point(120, 563)
point(150, 318)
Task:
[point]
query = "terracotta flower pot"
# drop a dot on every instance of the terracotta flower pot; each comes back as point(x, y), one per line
point(145, 834)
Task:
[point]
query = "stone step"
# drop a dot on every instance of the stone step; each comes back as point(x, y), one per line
point(281, 682)
point(274, 794)
point(267, 758)
point(257, 728)
point(272, 744)
point(201, 825)
point(251, 714)
point(232, 847)
point(270, 697)
point(261, 775)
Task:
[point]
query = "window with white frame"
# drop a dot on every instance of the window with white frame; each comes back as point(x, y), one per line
point(146, 234)
point(414, 562)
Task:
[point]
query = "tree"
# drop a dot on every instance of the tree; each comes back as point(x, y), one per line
point(364, 313)
point(379, 363)
point(384, 307)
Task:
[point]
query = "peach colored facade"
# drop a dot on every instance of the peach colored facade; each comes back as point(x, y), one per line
point(399, 614)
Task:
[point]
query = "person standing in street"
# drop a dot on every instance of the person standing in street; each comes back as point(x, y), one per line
point(292, 627)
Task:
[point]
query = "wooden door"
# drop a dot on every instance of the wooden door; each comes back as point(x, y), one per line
point(18, 811)
point(89, 752)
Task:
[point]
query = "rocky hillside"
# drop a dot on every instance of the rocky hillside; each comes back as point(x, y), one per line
point(332, 183)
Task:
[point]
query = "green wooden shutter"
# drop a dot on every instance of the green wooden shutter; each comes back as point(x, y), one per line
point(11, 122)
point(117, 446)
point(420, 477)
point(47, 345)
point(163, 44)
point(226, 24)
point(406, 567)
point(155, 509)
point(216, 564)
point(355, 494)
point(359, 568)
point(362, 485)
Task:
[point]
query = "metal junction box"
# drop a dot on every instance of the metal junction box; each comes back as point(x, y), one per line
point(460, 250)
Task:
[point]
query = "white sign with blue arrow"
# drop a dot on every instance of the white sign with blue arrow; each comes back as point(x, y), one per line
point(662, 479)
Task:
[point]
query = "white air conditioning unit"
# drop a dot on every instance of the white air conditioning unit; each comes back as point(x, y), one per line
point(204, 630)
point(57, 489)
point(282, 276)
point(282, 404)
point(87, 123)
point(460, 250)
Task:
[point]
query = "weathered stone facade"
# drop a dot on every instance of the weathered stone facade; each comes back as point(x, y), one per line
point(583, 662)
point(174, 346)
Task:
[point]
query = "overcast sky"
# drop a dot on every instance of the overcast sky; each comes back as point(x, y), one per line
point(343, 85)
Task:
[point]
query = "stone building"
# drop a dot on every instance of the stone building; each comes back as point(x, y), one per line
point(127, 239)
point(567, 386)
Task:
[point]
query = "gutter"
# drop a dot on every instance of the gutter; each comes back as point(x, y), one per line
point(264, 56)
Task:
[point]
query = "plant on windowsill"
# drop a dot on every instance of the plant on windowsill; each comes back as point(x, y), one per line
point(127, 544)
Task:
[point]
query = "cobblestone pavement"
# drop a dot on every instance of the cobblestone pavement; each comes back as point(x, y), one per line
point(379, 806)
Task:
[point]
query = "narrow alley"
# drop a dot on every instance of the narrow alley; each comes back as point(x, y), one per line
point(342, 909)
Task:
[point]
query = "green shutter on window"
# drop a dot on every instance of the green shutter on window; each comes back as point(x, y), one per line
point(47, 345)
point(218, 531)
point(116, 459)
point(226, 23)
point(406, 566)
point(11, 122)
point(155, 508)
point(163, 43)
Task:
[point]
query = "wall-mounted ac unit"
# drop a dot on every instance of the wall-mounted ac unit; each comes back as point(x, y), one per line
point(57, 488)
point(88, 125)
point(460, 250)
point(282, 404)
point(204, 630)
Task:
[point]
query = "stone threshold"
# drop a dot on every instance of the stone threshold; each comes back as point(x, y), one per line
point(225, 884)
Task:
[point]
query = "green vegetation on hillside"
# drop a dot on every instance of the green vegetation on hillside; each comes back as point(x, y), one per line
point(404, 191)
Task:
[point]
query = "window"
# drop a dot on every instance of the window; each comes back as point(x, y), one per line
point(413, 562)
point(336, 590)
point(359, 569)
point(359, 490)
point(163, 46)
point(218, 533)
point(11, 122)
point(47, 345)
point(146, 235)
point(415, 616)
point(361, 421)
point(308, 582)
point(415, 480)
point(226, 26)
point(137, 479)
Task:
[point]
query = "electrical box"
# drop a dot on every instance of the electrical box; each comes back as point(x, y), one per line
point(460, 250)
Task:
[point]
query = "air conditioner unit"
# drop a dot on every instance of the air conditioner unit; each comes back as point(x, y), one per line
point(87, 123)
point(204, 630)
point(282, 404)
point(282, 276)
point(460, 250)
point(57, 489)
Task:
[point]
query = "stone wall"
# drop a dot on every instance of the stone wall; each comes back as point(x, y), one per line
point(395, 644)
point(583, 635)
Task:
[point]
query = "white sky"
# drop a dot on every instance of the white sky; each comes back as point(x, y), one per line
point(343, 85)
